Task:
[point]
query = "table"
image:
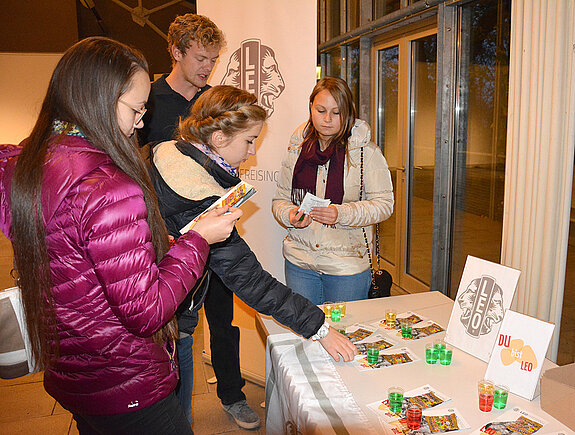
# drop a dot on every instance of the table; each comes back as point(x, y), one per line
point(309, 392)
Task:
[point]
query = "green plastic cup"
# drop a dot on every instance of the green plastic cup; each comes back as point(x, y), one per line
point(395, 399)
point(500, 394)
point(335, 314)
point(445, 355)
point(406, 328)
point(431, 354)
point(372, 351)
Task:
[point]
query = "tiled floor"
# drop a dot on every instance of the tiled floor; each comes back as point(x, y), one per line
point(25, 408)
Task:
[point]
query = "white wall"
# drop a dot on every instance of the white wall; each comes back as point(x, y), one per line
point(24, 78)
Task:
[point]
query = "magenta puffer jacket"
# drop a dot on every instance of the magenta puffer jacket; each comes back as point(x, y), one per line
point(110, 295)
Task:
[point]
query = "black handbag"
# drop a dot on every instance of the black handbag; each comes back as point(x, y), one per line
point(381, 280)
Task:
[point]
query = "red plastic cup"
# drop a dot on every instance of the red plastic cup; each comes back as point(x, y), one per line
point(485, 402)
point(485, 390)
point(413, 415)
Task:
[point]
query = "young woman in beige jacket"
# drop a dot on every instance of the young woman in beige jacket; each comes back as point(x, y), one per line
point(325, 251)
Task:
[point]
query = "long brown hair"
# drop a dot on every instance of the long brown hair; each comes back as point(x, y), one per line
point(341, 93)
point(84, 90)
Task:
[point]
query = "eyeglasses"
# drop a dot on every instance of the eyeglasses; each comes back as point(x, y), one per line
point(139, 113)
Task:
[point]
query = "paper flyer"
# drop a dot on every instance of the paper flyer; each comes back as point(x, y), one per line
point(386, 359)
point(310, 200)
point(383, 342)
point(425, 396)
point(485, 293)
point(413, 319)
point(518, 354)
point(422, 330)
point(514, 421)
point(234, 197)
point(357, 332)
point(433, 421)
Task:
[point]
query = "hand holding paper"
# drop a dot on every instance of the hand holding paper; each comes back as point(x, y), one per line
point(234, 197)
point(217, 225)
point(310, 200)
point(321, 213)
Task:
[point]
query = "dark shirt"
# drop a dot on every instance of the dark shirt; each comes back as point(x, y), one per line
point(165, 108)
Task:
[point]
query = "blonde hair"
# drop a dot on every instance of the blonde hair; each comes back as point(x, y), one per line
point(191, 27)
point(224, 108)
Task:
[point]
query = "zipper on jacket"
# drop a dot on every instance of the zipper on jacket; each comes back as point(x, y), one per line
point(172, 356)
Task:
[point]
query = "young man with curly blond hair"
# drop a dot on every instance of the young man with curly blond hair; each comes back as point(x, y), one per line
point(194, 44)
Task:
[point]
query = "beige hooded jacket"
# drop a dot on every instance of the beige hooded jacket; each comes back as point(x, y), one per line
point(341, 249)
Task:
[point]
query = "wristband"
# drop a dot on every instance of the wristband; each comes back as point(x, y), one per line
point(321, 332)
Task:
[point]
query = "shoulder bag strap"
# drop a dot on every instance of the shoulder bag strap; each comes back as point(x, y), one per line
point(376, 227)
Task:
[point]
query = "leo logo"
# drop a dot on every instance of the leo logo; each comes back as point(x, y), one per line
point(482, 305)
point(515, 350)
point(253, 67)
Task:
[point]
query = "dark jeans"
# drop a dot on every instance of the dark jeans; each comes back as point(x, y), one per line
point(224, 341)
point(186, 385)
point(164, 417)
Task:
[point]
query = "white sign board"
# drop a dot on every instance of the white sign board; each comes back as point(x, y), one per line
point(485, 293)
point(519, 352)
point(270, 51)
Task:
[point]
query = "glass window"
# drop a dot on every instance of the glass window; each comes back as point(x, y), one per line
point(353, 71)
point(334, 62)
point(384, 7)
point(332, 18)
point(352, 14)
point(421, 160)
point(388, 138)
point(480, 136)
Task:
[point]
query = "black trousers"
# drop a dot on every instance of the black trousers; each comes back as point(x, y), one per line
point(165, 417)
point(224, 341)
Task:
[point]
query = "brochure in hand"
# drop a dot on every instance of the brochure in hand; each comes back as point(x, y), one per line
point(310, 200)
point(235, 197)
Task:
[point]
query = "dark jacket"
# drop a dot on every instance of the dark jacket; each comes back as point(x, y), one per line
point(110, 296)
point(233, 260)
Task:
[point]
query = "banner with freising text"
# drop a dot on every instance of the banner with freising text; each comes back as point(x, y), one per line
point(271, 51)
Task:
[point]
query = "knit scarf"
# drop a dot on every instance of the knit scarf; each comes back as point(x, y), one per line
point(305, 172)
point(58, 127)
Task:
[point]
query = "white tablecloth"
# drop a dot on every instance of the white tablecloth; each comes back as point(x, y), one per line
point(306, 370)
point(307, 391)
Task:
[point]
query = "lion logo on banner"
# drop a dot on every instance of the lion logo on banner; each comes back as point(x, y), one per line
point(482, 305)
point(253, 67)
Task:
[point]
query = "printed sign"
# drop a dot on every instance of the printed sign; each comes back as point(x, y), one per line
point(519, 352)
point(516, 421)
point(485, 293)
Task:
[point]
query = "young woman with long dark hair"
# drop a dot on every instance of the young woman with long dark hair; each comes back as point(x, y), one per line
point(99, 281)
